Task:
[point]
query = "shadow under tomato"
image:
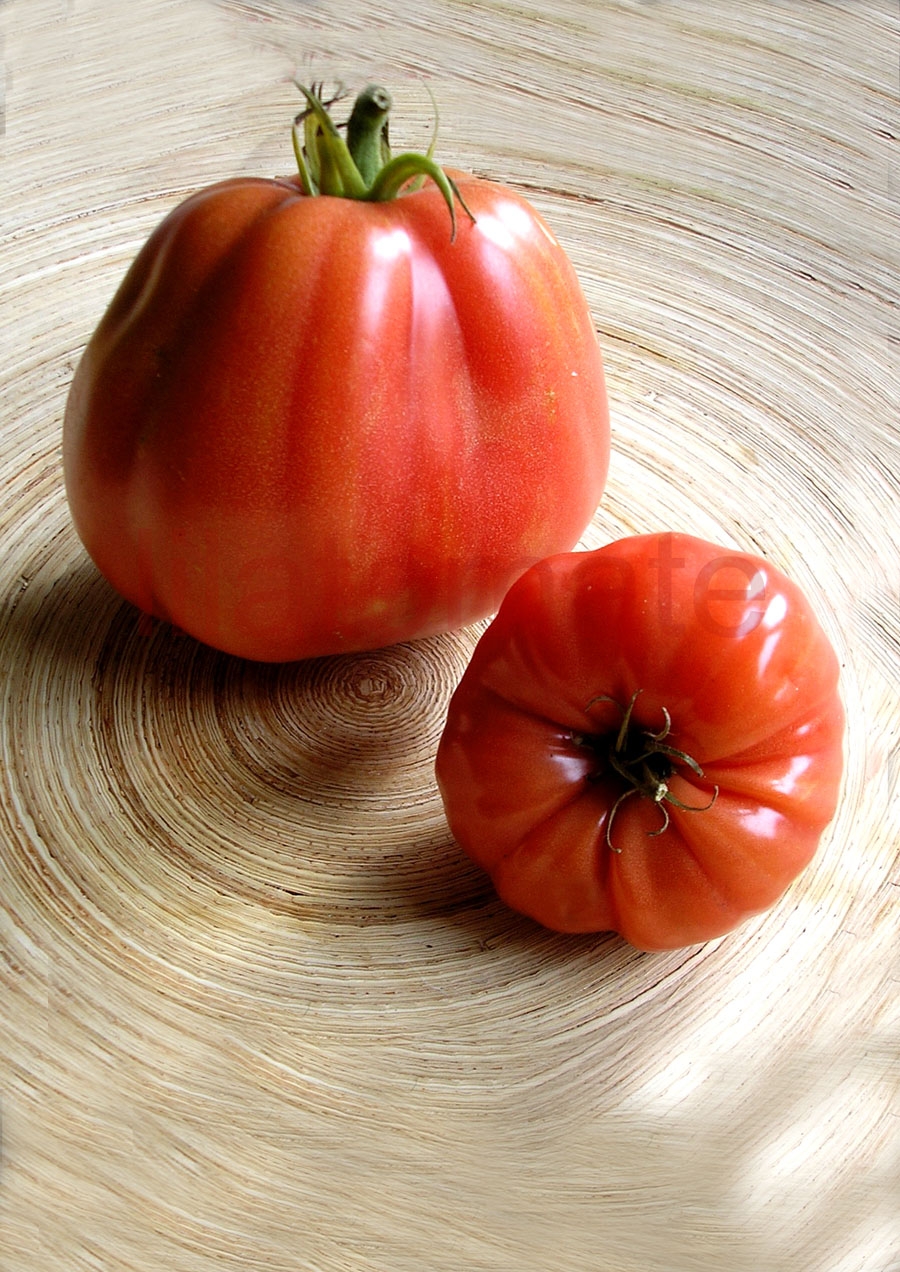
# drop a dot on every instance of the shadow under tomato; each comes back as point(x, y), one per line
point(315, 778)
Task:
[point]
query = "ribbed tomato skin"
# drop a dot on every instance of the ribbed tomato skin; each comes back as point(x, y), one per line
point(726, 662)
point(309, 425)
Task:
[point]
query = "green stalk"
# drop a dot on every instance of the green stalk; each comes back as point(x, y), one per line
point(367, 131)
point(362, 167)
point(327, 154)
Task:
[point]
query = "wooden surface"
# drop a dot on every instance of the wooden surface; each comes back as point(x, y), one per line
point(257, 1011)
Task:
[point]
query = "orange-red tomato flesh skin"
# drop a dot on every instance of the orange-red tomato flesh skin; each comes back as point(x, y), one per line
point(724, 643)
point(310, 425)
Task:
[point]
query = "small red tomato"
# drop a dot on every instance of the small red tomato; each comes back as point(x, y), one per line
point(339, 410)
point(648, 740)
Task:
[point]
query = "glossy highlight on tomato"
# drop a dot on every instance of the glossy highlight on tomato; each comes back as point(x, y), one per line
point(648, 740)
point(338, 410)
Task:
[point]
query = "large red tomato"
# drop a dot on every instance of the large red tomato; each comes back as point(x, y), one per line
point(339, 410)
point(647, 740)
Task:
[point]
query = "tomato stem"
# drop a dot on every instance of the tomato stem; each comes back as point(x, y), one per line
point(645, 762)
point(367, 132)
point(362, 167)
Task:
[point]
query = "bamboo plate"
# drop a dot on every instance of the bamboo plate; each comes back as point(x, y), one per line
point(258, 1012)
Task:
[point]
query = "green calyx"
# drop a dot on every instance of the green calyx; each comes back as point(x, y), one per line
point(362, 166)
point(644, 763)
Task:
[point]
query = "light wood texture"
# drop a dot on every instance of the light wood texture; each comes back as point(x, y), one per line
point(257, 1011)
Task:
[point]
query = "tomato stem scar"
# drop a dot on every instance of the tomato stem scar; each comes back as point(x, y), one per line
point(645, 762)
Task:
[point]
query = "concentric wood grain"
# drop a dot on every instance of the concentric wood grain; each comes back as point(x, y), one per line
point(257, 1009)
